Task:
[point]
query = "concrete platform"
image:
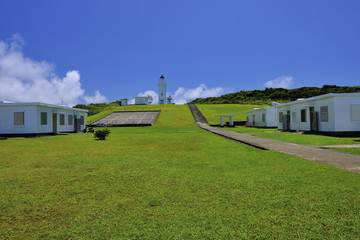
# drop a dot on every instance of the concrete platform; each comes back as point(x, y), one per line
point(115, 119)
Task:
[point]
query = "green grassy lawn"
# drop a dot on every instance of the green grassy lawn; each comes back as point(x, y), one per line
point(211, 110)
point(348, 150)
point(169, 181)
point(307, 139)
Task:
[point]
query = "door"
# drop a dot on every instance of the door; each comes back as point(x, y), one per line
point(253, 119)
point(54, 122)
point(288, 121)
point(313, 119)
point(75, 123)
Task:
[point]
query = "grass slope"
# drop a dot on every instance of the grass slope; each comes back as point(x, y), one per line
point(348, 150)
point(306, 139)
point(169, 181)
point(211, 110)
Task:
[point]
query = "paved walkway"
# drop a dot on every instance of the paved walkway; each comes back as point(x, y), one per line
point(349, 162)
point(341, 146)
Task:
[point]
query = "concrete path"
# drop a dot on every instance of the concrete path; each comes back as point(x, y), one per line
point(341, 146)
point(349, 162)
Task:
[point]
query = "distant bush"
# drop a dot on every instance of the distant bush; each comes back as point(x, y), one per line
point(95, 108)
point(101, 134)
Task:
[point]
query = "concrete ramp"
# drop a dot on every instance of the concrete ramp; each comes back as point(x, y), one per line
point(126, 119)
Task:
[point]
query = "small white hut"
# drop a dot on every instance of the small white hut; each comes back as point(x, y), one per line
point(333, 113)
point(141, 100)
point(123, 102)
point(263, 117)
point(39, 118)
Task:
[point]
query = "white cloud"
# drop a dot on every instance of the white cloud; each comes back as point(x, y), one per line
point(97, 98)
point(280, 82)
point(23, 79)
point(183, 95)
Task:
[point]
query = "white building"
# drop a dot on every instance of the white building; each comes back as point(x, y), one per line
point(39, 118)
point(330, 113)
point(262, 117)
point(123, 102)
point(162, 90)
point(169, 99)
point(141, 100)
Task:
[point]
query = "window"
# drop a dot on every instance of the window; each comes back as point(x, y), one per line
point(70, 120)
point(281, 114)
point(82, 121)
point(263, 117)
point(324, 114)
point(355, 112)
point(293, 116)
point(43, 118)
point(303, 115)
point(18, 118)
point(62, 119)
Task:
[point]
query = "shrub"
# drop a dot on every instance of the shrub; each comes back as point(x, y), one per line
point(101, 134)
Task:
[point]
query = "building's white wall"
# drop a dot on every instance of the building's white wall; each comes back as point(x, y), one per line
point(270, 117)
point(32, 119)
point(123, 102)
point(297, 125)
point(60, 128)
point(7, 120)
point(162, 94)
point(328, 126)
point(343, 122)
point(141, 100)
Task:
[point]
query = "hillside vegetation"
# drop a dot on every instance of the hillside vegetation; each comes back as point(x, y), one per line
point(275, 94)
point(95, 108)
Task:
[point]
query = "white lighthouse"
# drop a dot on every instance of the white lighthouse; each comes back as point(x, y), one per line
point(162, 90)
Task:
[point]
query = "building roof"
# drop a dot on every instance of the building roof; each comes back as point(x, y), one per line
point(259, 109)
point(328, 95)
point(11, 104)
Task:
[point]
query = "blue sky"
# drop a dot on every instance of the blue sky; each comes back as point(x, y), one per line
point(119, 49)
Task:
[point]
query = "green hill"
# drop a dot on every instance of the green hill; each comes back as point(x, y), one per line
point(275, 94)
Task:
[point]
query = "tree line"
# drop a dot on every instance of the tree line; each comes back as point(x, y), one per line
point(280, 95)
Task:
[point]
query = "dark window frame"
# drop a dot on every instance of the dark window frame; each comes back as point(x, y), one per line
point(281, 114)
point(324, 115)
point(303, 115)
point(70, 120)
point(62, 119)
point(43, 118)
point(17, 121)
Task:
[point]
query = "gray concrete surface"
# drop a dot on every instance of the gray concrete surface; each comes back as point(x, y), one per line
point(128, 118)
